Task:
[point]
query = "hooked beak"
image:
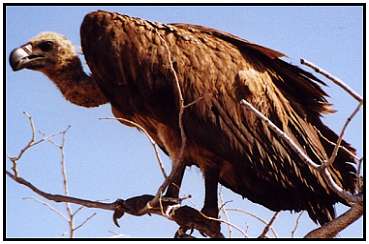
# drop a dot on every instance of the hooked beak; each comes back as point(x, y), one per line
point(22, 57)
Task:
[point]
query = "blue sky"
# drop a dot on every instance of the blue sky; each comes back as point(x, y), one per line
point(106, 161)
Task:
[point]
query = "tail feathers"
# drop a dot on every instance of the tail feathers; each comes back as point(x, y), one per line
point(321, 213)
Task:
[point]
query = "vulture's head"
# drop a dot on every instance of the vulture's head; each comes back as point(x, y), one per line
point(46, 52)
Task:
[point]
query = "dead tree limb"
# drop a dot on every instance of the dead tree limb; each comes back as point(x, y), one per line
point(332, 228)
point(297, 221)
point(184, 216)
point(268, 226)
point(334, 79)
point(254, 216)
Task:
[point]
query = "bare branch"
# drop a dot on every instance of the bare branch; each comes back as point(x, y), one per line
point(77, 211)
point(177, 159)
point(65, 186)
point(31, 143)
point(60, 198)
point(222, 209)
point(254, 216)
point(332, 228)
point(180, 99)
point(227, 223)
point(337, 81)
point(193, 102)
point(296, 224)
point(48, 206)
point(359, 165)
point(84, 222)
point(341, 147)
point(350, 198)
point(281, 134)
point(268, 226)
point(184, 216)
point(340, 138)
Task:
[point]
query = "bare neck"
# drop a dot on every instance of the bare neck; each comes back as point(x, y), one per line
point(76, 86)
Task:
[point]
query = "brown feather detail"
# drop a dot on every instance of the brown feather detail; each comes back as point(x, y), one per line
point(130, 61)
point(231, 39)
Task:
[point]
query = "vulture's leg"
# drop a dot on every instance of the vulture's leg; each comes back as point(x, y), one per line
point(210, 208)
point(174, 187)
point(175, 174)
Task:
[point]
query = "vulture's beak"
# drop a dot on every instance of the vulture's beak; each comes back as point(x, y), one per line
point(21, 57)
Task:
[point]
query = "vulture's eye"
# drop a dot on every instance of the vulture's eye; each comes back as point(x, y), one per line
point(46, 46)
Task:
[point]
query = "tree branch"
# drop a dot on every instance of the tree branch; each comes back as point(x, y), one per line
point(268, 226)
point(340, 137)
point(254, 216)
point(332, 228)
point(337, 81)
point(184, 216)
point(296, 224)
point(47, 205)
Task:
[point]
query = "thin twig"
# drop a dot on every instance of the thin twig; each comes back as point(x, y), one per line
point(296, 224)
point(48, 206)
point(78, 210)
point(359, 165)
point(222, 209)
point(193, 102)
point(359, 182)
point(341, 147)
point(65, 186)
point(180, 101)
point(281, 134)
point(254, 216)
point(177, 160)
point(84, 222)
point(268, 226)
point(337, 81)
point(340, 138)
point(350, 198)
point(31, 143)
point(227, 223)
point(332, 228)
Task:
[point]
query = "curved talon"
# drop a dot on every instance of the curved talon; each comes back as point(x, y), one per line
point(181, 232)
point(120, 207)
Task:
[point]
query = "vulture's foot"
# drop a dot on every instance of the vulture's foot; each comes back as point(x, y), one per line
point(189, 218)
point(134, 206)
point(186, 217)
point(138, 206)
point(212, 213)
point(119, 209)
point(181, 233)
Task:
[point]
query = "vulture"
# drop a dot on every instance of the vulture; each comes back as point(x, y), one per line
point(145, 70)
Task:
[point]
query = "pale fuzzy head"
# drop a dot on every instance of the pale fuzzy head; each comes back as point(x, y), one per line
point(46, 52)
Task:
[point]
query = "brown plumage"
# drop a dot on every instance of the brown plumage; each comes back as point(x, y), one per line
point(128, 58)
